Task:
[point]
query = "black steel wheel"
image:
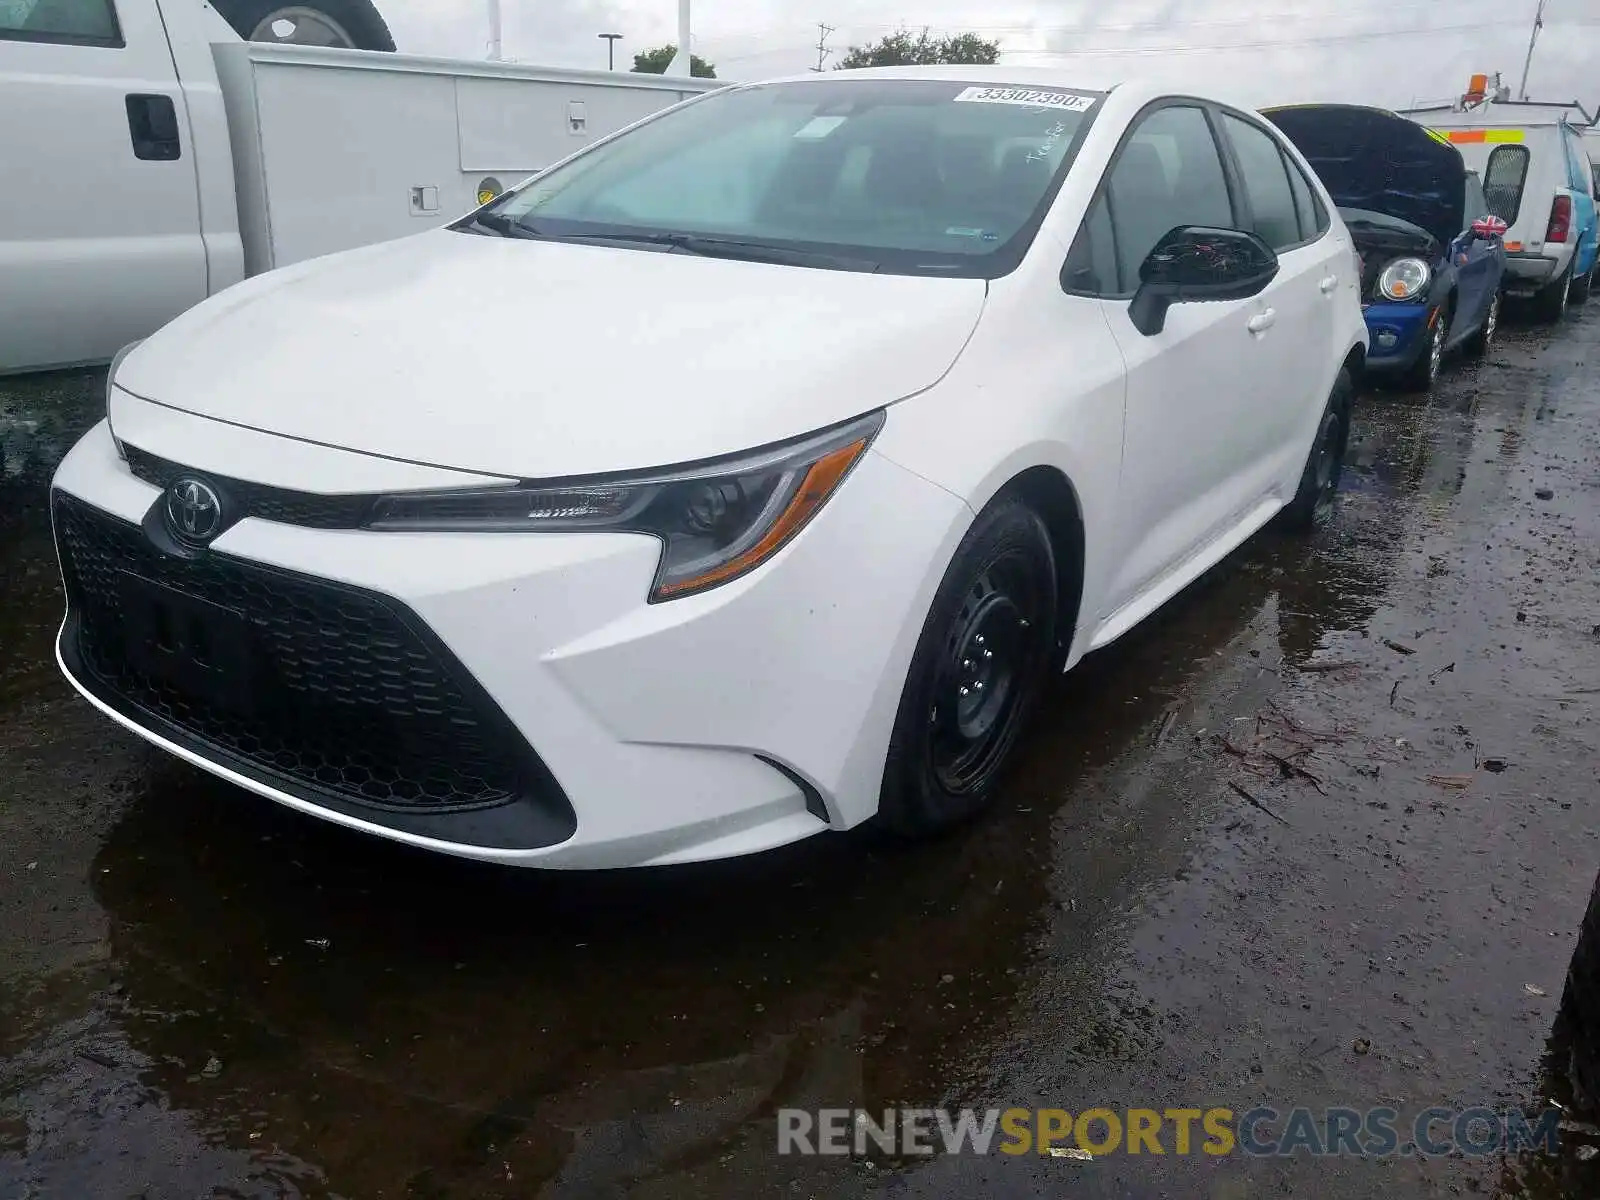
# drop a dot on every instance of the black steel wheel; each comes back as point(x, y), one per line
point(1319, 481)
point(1582, 285)
point(1578, 1022)
point(984, 650)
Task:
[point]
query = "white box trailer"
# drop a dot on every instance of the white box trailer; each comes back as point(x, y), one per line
point(337, 148)
point(152, 158)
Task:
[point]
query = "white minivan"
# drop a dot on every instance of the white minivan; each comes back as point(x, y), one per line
point(1537, 176)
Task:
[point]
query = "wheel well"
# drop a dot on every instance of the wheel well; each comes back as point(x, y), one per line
point(1048, 492)
point(1356, 362)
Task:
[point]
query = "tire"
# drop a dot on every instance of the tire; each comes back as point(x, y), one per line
point(350, 23)
point(1550, 305)
point(1424, 373)
point(1479, 343)
point(1578, 1024)
point(1581, 287)
point(997, 604)
point(1319, 481)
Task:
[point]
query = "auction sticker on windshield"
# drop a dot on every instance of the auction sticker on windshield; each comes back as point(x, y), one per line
point(1028, 97)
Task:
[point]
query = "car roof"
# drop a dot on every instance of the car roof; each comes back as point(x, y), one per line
point(1068, 74)
point(1065, 76)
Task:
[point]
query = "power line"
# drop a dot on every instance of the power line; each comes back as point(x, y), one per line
point(822, 44)
point(1213, 47)
point(1327, 39)
point(1256, 19)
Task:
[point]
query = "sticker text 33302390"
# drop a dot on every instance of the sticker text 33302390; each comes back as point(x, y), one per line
point(1027, 97)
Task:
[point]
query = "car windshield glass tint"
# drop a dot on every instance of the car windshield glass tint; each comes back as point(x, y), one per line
point(909, 175)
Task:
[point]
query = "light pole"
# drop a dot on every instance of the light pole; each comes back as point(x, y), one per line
point(611, 40)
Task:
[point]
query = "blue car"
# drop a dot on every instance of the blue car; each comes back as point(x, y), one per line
point(1433, 260)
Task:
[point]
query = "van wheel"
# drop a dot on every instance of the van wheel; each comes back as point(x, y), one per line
point(1551, 303)
point(975, 675)
point(1319, 482)
point(1580, 287)
point(352, 24)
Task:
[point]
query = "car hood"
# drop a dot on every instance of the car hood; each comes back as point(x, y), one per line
point(546, 359)
point(1375, 159)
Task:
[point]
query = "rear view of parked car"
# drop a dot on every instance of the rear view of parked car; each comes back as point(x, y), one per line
point(1537, 177)
point(740, 478)
point(1433, 260)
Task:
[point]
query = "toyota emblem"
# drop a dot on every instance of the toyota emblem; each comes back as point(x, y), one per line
point(194, 511)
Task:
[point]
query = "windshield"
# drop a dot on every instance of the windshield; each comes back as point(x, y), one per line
point(898, 175)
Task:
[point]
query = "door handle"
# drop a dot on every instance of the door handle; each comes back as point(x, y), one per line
point(1328, 284)
point(153, 125)
point(1263, 321)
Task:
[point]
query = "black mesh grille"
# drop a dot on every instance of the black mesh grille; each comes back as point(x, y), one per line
point(348, 694)
point(258, 500)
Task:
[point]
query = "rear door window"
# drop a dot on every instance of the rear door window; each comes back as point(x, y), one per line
point(1266, 182)
point(1503, 179)
point(1313, 217)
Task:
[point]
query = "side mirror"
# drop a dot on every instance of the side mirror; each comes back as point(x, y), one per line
point(1196, 263)
point(1489, 228)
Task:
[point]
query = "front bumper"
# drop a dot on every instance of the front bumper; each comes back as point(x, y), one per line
point(719, 724)
point(1398, 335)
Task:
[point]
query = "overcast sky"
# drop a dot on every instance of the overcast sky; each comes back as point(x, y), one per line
point(1277, 50)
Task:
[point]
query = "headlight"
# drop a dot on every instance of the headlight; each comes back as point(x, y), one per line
point(715, 522)
point(1403, 279)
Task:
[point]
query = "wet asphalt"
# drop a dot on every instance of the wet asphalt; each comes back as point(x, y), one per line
point(204, 995)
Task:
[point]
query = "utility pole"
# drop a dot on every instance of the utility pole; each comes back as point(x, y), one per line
point(822, 44)
point(1538, 24)
point(682, 63)
point(611, 40)
point(496, 42)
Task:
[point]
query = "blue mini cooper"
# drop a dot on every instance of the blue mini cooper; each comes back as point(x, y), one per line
point(1432, 258)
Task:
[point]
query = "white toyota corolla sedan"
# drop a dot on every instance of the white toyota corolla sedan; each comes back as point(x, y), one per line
point(738, 478)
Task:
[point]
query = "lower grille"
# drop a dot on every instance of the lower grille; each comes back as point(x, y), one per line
point(322, 690)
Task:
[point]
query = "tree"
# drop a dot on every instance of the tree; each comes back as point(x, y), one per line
point(902, 49)
point(656, 62)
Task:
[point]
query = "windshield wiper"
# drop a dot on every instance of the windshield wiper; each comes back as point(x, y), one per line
point(715, 247)
point(501, 224)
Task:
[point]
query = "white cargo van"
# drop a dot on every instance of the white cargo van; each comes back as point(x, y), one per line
point(1538, 177)
point(152, 157)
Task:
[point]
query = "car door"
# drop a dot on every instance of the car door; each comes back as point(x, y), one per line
point(1478, 266)
point(1190, 429)
point(99, 216)
point(1287, 388)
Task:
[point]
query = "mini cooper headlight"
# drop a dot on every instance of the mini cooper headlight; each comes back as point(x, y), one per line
point(716, 521)
point(1403, 279)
